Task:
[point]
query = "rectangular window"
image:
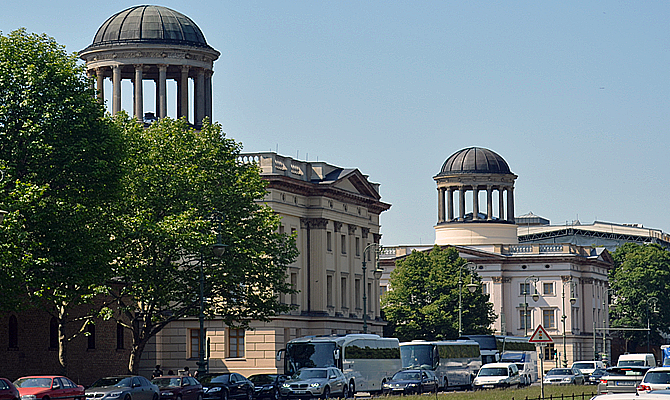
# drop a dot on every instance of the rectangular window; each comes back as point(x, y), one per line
point(524, 288)
point(548, 288)
point(281, 229)
point(236, 343)
point(358, 247)
point(293, 231)
point(329, 290)
point(194, 347)
point(485, 288)
point(526, 323)
point(343, 244)
point(343, 288)
point(357, 292)
point(329, 241)
point(90, 331)
point(120, 330)
point(548, 320)
point(549, 352)
point(294, 285)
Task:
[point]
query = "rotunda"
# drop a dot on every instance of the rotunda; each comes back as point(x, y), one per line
point(474, 173)
point(153, 43)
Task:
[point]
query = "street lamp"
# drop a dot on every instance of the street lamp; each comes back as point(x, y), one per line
point(653, 300)
point(535, 297)
point(605, 314)
point(377, 274)
point(471, 288)
point(573, 300)
point(218, 249)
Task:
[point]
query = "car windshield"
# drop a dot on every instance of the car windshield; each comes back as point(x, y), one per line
point(560, 371)
point(406, 376)
point(657, 377)
point(117, 381)
point(493, 372)
point(598, 371)
point(311, 374)
point(582, 365)
point(167, 382)
point(33, 383)
point(262, 379)
point(219, 379)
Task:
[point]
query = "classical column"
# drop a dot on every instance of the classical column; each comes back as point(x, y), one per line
point(139, 100)
point(162, 97)
point(182, 89)
point(208, 94)
point(510, 204)
point(450, 203)
point(100, 87)
point(440, 205)
point(475, 202)
point(489, 202)
point(116, 88)
point(199, 97)
point(461, 203)
point(501, 203)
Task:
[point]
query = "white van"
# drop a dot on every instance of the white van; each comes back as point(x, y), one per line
point(587, 367)
point(636, 360)
point(497, 375)
point(526, 362)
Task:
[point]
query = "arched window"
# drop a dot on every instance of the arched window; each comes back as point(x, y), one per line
point(13, 332)
point(53, 334)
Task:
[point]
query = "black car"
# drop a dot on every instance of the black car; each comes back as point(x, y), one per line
point(266, 386)
point(228, 385)
point(411, 381)
point(595, 376)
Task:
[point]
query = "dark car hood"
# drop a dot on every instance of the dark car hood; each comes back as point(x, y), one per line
point(106, 389)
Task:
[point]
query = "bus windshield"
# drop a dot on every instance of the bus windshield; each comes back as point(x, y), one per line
point(417, 356)
point(309, 355)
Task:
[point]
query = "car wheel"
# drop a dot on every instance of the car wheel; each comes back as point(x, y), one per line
point(199, 396)
point(250, 394)
point(155, 397)
point(224, 395)
point(345, 391)
point(179, 397)
point(275, 394)
point(352, 389)
point(326, 393)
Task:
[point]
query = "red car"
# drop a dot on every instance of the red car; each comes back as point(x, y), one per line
point(8, 390)
point(178, 388)
point(49, 387)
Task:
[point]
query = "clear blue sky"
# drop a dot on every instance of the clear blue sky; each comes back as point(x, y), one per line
point(574, 95)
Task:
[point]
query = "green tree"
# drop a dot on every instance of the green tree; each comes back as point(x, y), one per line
point(640, 273)
point(423, 300)
point(60, 156)
point(175, 179)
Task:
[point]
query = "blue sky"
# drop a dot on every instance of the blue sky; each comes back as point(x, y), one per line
point(574, 95)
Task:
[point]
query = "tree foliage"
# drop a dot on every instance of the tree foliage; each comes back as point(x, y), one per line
point(183, 188)
point(640, 273)
point(60, 158)
point(423, 300)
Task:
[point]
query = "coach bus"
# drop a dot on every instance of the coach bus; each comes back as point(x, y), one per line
point(367, 360)
point(455, 362)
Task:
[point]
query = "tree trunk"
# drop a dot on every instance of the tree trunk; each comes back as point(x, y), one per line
point(62, 342)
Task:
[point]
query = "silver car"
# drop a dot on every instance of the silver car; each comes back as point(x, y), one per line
point(315, 382)
point(125, 387)
point(564, 376)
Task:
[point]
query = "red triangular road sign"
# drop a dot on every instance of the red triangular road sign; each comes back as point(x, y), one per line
point(540, 336)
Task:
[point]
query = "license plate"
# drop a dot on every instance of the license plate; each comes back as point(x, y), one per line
point(625, 383)
point(299, 391)
point(488, 386)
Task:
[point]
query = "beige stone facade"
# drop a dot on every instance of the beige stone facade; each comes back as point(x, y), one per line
point(334, 213)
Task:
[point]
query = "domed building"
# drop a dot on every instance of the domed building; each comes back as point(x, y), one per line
point(153, 43)
point(473, 173)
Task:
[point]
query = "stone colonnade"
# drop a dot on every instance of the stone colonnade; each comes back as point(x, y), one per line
point(159, 73)
point(445, 209)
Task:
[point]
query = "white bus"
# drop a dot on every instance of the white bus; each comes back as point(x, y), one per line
point(366, 360)
point(455, 362)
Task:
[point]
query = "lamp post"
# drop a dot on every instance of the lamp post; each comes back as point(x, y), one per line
point(471, 287)
point(535, 296)
point(605, 314)
point(652, 300)
point(377, 274)
point(218, 249)
point(573, 300)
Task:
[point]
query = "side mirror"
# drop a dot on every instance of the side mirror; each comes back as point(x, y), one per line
point(332, 377)
point(336, 354)
point(278, 358)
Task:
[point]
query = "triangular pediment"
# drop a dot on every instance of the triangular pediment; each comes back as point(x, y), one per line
point(352, 181)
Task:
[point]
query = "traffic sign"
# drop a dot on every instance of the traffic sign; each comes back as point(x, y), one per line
point(540, 336)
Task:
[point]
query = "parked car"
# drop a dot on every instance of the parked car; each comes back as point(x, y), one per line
point(411, 381)
point(594, 377)
point(564, 376)
point(229, 385)
point(50, 387)
point(654, 395)
point(621, 379)
point(178, 388)
point(123, 387)
point(315, 382)
point(266, 386)
point(655, 379)
point(497, 375)
point(8, 391)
